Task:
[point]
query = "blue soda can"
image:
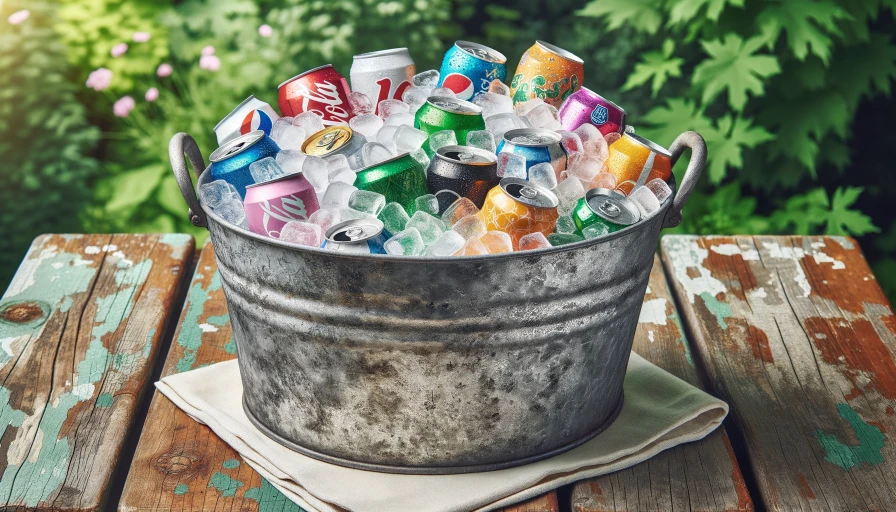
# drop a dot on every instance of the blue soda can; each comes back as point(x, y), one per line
point(358, 236)
point(230, 162)
point(536, 145)
point(468, 69)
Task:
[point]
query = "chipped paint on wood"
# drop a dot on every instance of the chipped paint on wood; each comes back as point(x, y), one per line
point(190, 335)
point(653, 311)
point(867, 451)
point(270, 499)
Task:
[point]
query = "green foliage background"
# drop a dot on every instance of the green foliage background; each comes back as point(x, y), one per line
point(793, 98)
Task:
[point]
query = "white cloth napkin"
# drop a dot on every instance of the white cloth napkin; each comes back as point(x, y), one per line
point(660, 411)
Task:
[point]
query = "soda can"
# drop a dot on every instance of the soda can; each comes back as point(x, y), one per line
point(230, 162)
point(586, 106)
point(634, 158)
point(468, 172)
point(468, 69)
point(607, 207)
point(519, 208)
point(401, 179)
point(356, 236)
point(548, 72)
point(536, 145)
point(250, 115)
point(321, 90)
point(334, 140)
point(448, 113)
point(272, 204)
point(382, 75)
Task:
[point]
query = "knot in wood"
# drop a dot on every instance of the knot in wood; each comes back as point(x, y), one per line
point(180, 463)
point(22, 312)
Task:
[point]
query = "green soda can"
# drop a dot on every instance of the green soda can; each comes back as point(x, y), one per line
point(606, 207)
point(401, 179)
point(448, 113)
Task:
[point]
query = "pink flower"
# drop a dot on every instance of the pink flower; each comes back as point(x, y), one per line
point(208, 50)
point(141, 37)
point(18, 17)
point(119, 49)
point(99, 79)
point(152, 94)
point(265, 31)
point(123, 106)
point(164, 69)
point(210, 62)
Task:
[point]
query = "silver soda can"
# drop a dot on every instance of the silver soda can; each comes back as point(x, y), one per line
point(382, 75)
point(250, 115)
point(358, 236)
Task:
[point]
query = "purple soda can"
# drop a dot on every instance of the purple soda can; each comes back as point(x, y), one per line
point(271, 204)
point(586, 106)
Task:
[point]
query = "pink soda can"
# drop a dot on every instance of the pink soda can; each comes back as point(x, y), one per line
point(271, 204)
point(586, 106)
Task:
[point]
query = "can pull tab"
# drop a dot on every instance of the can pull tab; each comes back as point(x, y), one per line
point(528, 192)
point(354, 232)
point(610, 209)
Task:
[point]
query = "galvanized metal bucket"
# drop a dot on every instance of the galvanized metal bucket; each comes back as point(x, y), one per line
point(433, 366)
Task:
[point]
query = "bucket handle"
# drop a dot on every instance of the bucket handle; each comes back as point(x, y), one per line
point(693, 141)
point(182, 148)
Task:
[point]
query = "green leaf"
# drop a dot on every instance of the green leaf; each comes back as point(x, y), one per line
point(656, 65)
point(641, 15)
point(808, 23)
point(725, 144)
point(685, 10)
point(732, 65)
point(130, 189)
point(841, 220)
point(664, 124)
point(812, 210)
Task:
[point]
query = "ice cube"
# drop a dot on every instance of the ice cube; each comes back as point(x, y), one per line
point(604, 180)
point(420, 156)
point(344, 175)
point(301, 233)
point(289, 136)
point(499, 124)
point(511, 165)
point(569, 191)
point(660, 189)
point(565, 224)
point(366, 124)
point(265, 169)
point(360, 103)
point(214, 193)
point(401, 118)
point(482, 139)
point(629, 129)
point(386, 134)
point(442, 91)
point(231, 210)
point(458, 210)
point(497, 242)
point(408, 139)
point(429, 227)
point(446, 198)
point(394, 217)
point(325, 218)
point(447, 244)
point(595, 230)
point(337, 195)
point(374, 153)
point(593, 143)
point(405, 243)
point(543, 174)
point(442, 138)
point(498, 87)
point(473, 247)
point(279, 127)
point(368, 202)
point(544, 116)
point(316, 172)
point(571, 143)
point(646, 201)
point(415, 97)
point(533, 241)
point(428, 78)
point(556, 239)
point(349, 214)
point(308, 121)
point(492, 103)
point(612, 137)
point(386, 108)
point(525, 107)
point(428, 203)
point(336, 161)
point(585, 169)
point(291, 160)
point(470, 226)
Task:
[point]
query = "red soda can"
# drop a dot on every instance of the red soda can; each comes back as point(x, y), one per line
point(586, 106)
point(320, 90)
point(272, 204)
point(382, 75)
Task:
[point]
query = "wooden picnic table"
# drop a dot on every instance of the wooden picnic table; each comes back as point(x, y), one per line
point(793, 332)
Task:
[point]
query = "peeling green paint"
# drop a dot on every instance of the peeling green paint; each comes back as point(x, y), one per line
point(147, 348)
point(104, 400)
point(270, 499)
point(219, 320)
point(681, 340)
point(178, 242)
point(9, 417)
point(230, 346)
point(871, 442)
point(224, 484)
point(720, 310)
point(231, 463)
point(181, 489)
point(190, 336)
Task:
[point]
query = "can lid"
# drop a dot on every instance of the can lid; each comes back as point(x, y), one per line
point(612, 206)
point(300, 75)
point(466, 155)
point(234, 111)
point(528, 193)
point(389, 161)
point(327, 140)
point(454, 105)
point(380, 53)
point(482, 52)
point(531, 137)
point(589, 91)
point(236, 146)
point(285, 177)
point(354, 230)
point(653, 146)
point(556, 50)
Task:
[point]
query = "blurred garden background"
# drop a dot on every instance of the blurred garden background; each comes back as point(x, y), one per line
point(793, 97)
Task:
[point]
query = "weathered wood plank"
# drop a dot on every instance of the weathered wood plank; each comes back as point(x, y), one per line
point(703, 475)
point(80, 327)
point(545, 503)
point(796, 334)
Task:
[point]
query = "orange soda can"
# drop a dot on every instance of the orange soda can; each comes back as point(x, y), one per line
point(519, 208)
point(548, 72)
point(634, 158)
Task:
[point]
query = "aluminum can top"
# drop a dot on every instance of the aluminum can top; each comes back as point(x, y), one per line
point(466, 155)
point(656, 148)
point(556, 50)
point(481, 52)
point(528, 193)
point(612, 206)
point(589, 92)
point(285, 177)
point(454, 105)
point(354, 230)
point(236, 146)
point(531, 137)
point(328, 140)
point(300, 75)
point(380, 53)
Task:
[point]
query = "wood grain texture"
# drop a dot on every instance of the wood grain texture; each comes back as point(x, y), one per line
point(796, 334)
point(703, 475)
point(80, 327)
point(545, 503)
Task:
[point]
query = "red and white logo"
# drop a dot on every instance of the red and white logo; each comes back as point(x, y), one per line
point(461, 85)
